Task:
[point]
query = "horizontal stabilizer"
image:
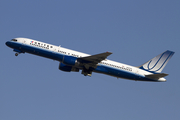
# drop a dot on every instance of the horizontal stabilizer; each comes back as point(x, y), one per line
point(156, 76)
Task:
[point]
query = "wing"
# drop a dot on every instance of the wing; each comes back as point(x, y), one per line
point(93, 60)
point(96, 58)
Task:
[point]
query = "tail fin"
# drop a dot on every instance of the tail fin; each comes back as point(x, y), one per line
point(158, 63)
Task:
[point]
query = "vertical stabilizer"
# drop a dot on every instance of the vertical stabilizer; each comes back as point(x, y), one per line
point(158, 63)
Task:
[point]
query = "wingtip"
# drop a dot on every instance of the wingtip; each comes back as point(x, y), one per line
point(109, 52)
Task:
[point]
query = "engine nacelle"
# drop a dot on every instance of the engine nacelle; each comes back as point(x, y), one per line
point(67, 68)
point(69, 60)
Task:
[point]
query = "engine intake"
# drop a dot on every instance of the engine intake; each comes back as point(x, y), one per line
point(69, 60)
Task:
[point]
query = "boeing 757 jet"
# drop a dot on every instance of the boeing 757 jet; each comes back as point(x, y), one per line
point(70, 60)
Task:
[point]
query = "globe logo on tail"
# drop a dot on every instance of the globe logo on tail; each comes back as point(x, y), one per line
point(158, 63)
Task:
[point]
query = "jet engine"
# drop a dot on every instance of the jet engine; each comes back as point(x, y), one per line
point(67, 68)
point(69, 60)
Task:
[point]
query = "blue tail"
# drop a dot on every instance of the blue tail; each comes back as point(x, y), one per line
point(158, 63)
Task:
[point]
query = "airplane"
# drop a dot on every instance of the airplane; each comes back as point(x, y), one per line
point(73, 61)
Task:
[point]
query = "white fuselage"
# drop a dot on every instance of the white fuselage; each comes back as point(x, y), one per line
point(112, 68)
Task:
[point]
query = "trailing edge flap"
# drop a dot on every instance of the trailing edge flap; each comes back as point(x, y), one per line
point(156, 76)
point(95, 59)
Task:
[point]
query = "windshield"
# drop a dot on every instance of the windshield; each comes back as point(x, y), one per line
point(14, 40)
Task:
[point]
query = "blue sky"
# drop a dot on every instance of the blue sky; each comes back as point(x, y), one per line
point(32, 87)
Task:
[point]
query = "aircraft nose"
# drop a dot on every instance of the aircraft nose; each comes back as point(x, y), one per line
point(8, 43)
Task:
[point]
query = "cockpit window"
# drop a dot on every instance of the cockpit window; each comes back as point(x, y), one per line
point(14, 40)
